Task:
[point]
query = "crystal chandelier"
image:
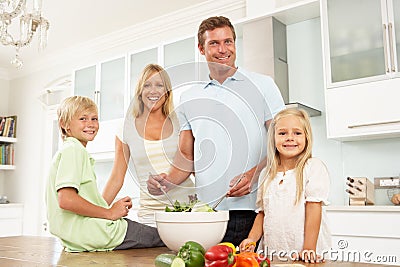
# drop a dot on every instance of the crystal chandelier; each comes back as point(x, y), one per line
point(29, 24)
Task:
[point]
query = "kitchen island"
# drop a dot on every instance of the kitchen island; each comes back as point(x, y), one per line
point(47, 251)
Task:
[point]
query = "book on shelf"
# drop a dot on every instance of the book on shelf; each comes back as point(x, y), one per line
point(6, 154)
point(8, 126)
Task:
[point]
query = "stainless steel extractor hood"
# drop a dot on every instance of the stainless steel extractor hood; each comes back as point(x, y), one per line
point(265, 51)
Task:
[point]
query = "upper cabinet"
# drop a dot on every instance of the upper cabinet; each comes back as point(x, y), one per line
point(361, 53)
point(361, 43)
point(105, 83)
point(137, 61)
point(179, 52)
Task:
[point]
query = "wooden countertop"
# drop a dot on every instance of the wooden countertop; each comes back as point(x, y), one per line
point(30, 251)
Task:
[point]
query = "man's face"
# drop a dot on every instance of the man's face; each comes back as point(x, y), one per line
point(219, 46)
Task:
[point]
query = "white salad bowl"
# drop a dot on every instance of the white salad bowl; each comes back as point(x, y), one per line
point(205, 228)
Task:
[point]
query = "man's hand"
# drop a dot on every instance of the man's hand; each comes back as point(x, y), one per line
point(244, 186)
point(120, 208)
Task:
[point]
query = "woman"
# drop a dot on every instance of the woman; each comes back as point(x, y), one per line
point(150, 140)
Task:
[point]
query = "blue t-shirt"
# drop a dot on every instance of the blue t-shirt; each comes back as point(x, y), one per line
point(228, 123)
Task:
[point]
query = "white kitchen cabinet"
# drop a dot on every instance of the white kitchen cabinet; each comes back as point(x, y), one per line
point(363, 111)
point(361, 47)
point(138, 61)
point(360, 43)
point(105, 83)
point(179, 52)
point(11, 219)
point(365, 234)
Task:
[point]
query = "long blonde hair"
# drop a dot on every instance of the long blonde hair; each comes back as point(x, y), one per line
point(273, 158)
point(146, 74)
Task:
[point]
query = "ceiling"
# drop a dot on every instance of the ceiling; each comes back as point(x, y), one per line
point(75, 21)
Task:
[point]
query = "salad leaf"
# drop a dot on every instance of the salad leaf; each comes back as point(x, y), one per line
point(194, 204)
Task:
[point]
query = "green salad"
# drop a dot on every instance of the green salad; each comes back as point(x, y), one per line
point(194, 205)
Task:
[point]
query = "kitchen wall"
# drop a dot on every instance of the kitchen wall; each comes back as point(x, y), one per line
point(372, 158)
point(4, 89)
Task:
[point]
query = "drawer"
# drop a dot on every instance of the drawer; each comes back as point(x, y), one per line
point(11, 211)
point(10, 227)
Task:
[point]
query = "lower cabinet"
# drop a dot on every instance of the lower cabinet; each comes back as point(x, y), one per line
point(11, 219)
point(365, 234)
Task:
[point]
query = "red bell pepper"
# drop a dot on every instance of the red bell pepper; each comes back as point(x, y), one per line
point(219, 256)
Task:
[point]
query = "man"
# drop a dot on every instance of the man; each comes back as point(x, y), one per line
point(223, 130)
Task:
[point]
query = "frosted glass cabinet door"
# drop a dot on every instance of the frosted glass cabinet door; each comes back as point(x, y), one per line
point(179, 52)
point(138, 61)
point(396, 15)
point(356, 39)
point(112, 89)
point(85, 82)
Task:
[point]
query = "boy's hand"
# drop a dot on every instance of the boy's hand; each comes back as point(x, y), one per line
point(120, 208)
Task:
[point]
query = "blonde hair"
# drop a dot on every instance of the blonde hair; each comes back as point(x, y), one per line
point(146, 74)
point(273, 158)
point(69, 107)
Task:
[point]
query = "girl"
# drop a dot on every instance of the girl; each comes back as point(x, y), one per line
point(290, 199)
point(149, 141)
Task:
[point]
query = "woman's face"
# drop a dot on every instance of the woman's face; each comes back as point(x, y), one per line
point(153, 93)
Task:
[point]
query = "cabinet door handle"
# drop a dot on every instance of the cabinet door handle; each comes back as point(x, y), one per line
point(390, 29)
point(385, 48)
point(372, 124)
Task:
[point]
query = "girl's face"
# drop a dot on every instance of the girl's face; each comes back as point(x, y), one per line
point(290, 139)
point(153, 93)
point(83, 126)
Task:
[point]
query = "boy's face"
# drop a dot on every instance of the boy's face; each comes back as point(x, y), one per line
point(83, 126)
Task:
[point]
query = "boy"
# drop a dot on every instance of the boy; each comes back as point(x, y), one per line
point(76, 211)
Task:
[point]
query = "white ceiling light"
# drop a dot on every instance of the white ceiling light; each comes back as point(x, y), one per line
point(29, 24)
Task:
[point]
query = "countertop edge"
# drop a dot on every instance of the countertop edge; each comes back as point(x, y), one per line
point(11, 205)
point(363, 208)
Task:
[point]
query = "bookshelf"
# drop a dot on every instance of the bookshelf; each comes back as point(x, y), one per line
point(7, 141)
point(7, 147)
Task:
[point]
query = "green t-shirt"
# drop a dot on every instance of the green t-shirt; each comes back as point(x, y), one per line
point(72, 166)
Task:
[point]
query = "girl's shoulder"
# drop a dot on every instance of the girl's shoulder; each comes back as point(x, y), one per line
point(315, 164)
point(314, 160)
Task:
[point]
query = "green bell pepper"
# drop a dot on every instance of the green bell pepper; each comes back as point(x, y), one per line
point(192, 254)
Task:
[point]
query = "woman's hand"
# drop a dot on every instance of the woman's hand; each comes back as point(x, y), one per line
point(155, 182)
